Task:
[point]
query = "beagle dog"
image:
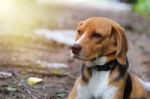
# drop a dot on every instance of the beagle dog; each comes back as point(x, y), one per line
point(102, 46)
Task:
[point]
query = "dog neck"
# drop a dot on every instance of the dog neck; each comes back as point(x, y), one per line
point(103, 63)
point(100, 64)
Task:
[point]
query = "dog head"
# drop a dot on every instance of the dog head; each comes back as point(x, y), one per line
point(99, 37)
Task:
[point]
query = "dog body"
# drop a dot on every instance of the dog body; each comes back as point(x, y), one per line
point(102, 45)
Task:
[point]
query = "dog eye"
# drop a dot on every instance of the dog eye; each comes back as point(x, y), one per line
point(96, 35)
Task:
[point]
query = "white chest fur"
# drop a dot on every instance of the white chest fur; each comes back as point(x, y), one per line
point(97, 87)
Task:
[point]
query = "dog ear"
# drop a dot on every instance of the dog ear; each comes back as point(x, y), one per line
point(122, 44)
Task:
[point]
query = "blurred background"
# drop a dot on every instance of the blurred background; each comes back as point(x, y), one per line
point(35, 40)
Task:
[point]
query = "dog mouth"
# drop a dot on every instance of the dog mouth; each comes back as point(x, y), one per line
point(82, 58)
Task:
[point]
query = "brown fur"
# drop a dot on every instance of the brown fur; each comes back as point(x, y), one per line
point(138, 90)
point(112, 44)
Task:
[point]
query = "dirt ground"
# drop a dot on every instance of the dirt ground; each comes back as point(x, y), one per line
point(20, 55)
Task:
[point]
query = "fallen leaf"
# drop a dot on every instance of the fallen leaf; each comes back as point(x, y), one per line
point(60, 72)
point(34, 80)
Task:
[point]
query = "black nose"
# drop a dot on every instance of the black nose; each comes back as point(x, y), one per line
point(76, 48)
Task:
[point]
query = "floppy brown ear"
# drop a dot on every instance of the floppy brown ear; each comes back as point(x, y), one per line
point(122, 44)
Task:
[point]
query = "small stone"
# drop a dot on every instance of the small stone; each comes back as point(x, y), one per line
point(4, 75)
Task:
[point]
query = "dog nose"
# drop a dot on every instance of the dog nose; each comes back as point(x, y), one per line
point(76, 48)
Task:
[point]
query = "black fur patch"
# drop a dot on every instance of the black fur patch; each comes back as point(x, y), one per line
point(122, 70)
point(128, 88)
point(85, 73)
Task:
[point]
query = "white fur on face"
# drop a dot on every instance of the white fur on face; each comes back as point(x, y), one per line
point(80, 39)
point(101, 60)
point(78, 42)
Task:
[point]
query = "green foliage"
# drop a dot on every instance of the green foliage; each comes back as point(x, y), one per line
point(142, 7)
point(61, 95)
